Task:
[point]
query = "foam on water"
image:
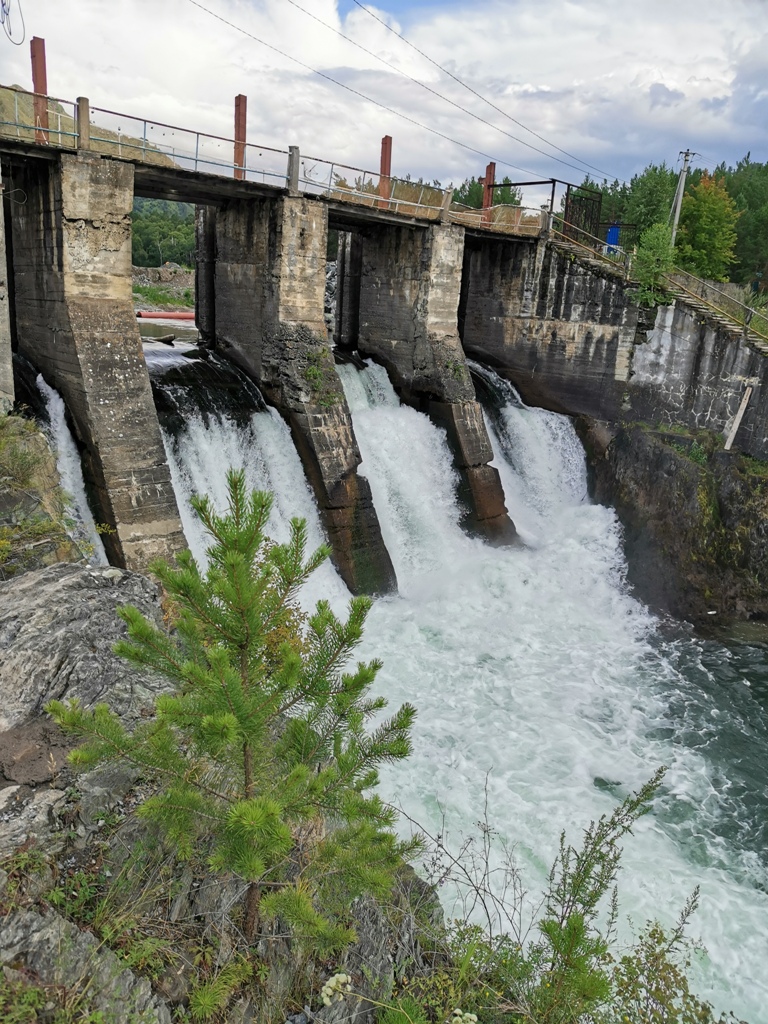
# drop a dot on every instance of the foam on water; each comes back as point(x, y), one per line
point(199, 459)
point(534, 670)
point(536, 666)
point(81, 527)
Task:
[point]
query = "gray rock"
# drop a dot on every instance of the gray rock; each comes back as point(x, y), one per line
point(102, 789)
point(58, 953)
point(57, 629)
point(30, 816)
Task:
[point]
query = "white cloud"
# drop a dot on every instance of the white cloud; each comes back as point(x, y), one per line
point(619, 84)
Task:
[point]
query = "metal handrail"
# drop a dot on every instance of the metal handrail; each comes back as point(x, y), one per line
point(528, 220)
point(744, 326)
point(186, 131)
point(617, 256)
point(708, 287)
point(33, 127)
point(28, 92)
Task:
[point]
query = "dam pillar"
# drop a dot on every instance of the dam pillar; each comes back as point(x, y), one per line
point(269, 287)
point(205, 269)
point(349, 262)
point(409, 290)
point(6, 357)
point(75, 323)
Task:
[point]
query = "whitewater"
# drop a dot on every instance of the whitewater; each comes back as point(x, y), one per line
point(542, 684)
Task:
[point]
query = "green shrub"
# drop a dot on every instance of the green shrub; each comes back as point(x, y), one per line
point(159, 296)
point(654, 259)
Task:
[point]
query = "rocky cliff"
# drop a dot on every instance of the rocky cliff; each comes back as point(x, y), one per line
point(695, 519)
point(98, 917)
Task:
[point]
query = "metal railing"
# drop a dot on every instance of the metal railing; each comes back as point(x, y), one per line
point(751, 321)
point(369, 188)
point(155, 142)
point(746, 319)
point(506, 218)
point(142, 140)
point(19, 119)
point(592, 246)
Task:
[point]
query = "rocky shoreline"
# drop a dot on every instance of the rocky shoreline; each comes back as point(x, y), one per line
point(695, 519)
point(63, 834)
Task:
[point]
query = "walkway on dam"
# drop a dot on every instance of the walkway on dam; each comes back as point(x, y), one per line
point(184, 164)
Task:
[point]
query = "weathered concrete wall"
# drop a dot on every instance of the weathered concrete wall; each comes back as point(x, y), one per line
point(6, 356)
point(687, 370)
point(562, 330)
point(75, 322)
point(269, 285)
point(410, 285)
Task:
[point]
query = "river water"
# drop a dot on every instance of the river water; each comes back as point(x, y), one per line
point(541, 683)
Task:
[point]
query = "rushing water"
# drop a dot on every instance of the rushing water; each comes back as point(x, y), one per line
point(536, 674)
point(80, 524)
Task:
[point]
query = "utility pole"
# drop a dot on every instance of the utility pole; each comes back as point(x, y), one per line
point(680, 189)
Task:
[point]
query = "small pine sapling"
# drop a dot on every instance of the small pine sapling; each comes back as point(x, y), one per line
point(262, 755)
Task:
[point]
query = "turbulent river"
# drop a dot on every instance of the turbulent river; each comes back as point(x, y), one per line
point(541, 683)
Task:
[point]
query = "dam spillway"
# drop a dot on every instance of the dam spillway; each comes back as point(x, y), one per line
point(538, 678)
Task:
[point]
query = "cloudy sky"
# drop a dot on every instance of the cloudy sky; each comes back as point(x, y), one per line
point(614, 84)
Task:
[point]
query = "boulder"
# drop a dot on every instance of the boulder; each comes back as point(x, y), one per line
point(58, 626)
point(55, 952)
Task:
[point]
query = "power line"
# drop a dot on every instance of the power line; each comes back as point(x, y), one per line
point(356, 92)
point(480, 96)
point(439, 95)
point(5, 21)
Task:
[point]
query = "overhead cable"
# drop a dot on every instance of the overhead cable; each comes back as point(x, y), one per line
point(480, 96)
point(361, 95)
point(5, 21)
point(439, 95)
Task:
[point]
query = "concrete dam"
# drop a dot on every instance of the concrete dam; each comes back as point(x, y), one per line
point(544, 687)
point(417, 292)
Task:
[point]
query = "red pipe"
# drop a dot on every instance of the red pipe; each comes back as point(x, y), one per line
point(154, 315)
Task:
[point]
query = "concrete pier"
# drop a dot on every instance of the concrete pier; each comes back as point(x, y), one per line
point(71, 244)
point(268, 293)
point(409, 288)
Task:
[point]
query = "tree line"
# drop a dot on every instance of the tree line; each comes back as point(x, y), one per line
point(163, 232)
point(723, 231)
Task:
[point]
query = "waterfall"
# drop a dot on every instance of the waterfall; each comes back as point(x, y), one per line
point(213, 417)
point(79, 520)
point(539, 680)
point(541, 683)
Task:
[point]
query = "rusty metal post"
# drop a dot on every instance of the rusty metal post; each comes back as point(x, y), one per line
point(241, 103)
point(487, 183)
point(385, 172)
point(39, 88)
point(83, 123)
point(488, 180)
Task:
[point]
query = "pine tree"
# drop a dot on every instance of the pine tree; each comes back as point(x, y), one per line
point(262, 755)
